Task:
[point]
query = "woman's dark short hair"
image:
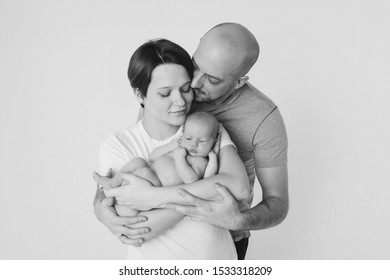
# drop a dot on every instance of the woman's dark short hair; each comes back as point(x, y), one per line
point(152, 54)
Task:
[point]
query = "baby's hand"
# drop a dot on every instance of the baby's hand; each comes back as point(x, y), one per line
point(180, 152)
point(175, 143)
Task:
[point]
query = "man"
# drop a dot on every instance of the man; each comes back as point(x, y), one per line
point(224, 56)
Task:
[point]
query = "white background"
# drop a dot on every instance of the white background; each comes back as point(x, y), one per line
point(64, 89)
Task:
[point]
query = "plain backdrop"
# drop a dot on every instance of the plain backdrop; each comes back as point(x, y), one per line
point(64, 89)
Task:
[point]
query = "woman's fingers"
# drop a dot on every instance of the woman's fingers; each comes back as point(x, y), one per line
point(129, 232)
point(128, 221)
point(130, 241)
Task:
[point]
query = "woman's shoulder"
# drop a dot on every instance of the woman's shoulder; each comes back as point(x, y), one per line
point(124, 138)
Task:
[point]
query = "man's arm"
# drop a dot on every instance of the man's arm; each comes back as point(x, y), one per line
point(223, 212)
point(275, 203)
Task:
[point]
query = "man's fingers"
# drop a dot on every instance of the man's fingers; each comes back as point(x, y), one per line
point(224, 192)
point(188, 210)
point(193, 199)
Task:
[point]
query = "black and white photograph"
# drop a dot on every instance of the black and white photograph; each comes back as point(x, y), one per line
point(194, 130)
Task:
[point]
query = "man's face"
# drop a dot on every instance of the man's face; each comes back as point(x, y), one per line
point(213, 79)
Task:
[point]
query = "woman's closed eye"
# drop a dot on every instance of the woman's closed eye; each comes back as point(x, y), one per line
point(164, 94)
point(186, 87)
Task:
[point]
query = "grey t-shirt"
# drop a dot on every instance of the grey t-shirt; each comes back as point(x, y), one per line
point(256, 126)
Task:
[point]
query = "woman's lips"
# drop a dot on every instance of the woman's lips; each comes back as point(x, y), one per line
point(183, 111)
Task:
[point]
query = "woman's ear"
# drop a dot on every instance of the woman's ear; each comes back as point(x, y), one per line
point(241, 81)
point(139, 96)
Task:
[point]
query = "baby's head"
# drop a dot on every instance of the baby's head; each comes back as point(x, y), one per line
point(199, 134)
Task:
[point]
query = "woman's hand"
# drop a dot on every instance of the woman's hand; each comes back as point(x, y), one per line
point(137, 194)
point(119, 226)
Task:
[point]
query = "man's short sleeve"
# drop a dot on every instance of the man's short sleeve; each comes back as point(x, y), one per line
point(270, 141)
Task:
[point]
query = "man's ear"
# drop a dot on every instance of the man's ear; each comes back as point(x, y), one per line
point(241, 81)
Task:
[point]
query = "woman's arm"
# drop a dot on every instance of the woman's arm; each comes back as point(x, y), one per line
point(129, 230)
point(232, 174)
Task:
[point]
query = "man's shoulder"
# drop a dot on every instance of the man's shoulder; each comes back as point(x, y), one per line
point(251, 106)
point(250, 97)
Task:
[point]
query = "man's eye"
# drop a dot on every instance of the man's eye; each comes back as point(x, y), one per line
point(213, 81)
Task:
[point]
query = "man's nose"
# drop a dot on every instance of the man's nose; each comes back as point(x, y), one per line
point(197, 81)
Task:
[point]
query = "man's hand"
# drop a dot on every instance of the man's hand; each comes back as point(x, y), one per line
point(134, 194)
point(222, 212)
point(119, 226)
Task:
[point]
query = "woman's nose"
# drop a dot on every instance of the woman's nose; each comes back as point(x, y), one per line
point(178, 99)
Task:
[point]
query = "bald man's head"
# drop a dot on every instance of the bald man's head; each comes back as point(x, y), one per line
point(234, 42)
point(223, 57)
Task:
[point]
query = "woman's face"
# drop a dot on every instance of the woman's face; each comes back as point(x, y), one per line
point(169, 95)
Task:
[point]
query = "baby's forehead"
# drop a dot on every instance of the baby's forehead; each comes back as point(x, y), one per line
point(199, 123)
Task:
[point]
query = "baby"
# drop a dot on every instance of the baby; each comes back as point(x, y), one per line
point(184, 160)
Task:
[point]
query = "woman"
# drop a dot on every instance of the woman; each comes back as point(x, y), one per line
point(160, 73)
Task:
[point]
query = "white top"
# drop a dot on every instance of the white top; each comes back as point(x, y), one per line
point(187, 239)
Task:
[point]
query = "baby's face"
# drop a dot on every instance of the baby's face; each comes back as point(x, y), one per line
point(197, 138)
